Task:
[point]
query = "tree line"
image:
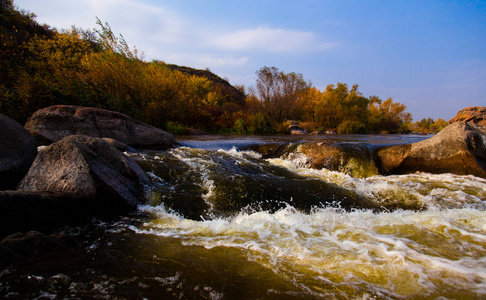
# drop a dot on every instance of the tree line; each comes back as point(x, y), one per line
point(42, 66)
point(284, 96)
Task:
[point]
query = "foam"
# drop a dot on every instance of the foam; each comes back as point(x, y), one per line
point(340, 246)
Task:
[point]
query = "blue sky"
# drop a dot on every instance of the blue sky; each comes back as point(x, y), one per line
point(429, 55)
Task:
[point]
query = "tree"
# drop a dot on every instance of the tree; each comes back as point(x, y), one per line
point(387, 115)
point(339, 105)
point(279, 93)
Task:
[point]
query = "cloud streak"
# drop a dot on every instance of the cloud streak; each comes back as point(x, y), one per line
point(271, 40)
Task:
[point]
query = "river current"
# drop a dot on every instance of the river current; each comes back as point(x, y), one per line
point(223, 222)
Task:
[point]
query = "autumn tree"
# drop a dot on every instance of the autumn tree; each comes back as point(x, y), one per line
point(387, 115)
point(279, 93)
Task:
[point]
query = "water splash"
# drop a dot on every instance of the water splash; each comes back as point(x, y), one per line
point(396, 254)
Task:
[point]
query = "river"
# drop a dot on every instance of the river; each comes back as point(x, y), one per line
point(223, 222)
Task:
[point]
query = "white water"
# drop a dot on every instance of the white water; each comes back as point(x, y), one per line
point(439, 251)
point(396, 254)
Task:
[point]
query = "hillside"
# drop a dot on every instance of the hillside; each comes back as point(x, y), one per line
point(224, 86)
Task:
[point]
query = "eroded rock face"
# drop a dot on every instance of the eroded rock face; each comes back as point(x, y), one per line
point(17, 152)
point(473, 114)
point(83, 167)
point(54, 123)
point(460, 148)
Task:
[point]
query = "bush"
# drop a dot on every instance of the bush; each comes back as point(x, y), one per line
point(176, 129)
point(351, 127)
point(240, 127)
point(259, 124)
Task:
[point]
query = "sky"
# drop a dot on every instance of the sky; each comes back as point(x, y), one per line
point(429, 55)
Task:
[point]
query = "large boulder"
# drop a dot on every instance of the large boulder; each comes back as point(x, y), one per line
point(17, 152)
point(473, 114)
point(83, 167)
point(54, 123)
point(460, 148)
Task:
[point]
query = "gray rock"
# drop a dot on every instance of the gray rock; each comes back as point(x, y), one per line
point(294, 129)
point(83, 167)
point(53, 123)
point(17, 152)
point(460, 148)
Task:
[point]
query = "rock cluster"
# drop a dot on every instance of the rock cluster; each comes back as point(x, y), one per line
point(460, 148)
point(81, 173)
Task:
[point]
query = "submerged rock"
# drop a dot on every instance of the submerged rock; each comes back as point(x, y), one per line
point(460, 148)
point(206, 184)
point(473, 114)
point(17, 152)
point(83, 167)
point(355, 160)
point(54, 123)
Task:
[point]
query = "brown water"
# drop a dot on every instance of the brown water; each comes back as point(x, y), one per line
point(273, 250)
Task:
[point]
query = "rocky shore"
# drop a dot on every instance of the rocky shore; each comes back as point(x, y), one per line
point(78, 173)
point(80, 170)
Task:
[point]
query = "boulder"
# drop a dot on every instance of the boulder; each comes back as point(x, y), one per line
point(17, 152)
point(83, 167)
point(460, 148)
point(355, 160)
point(473, 114)
point(53, 123)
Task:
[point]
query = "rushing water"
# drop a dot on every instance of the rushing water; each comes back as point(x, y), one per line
point(225, 223)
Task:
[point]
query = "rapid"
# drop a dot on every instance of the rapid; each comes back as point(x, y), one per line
point(223, 222)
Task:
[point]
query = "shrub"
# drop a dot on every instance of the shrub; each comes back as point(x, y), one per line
point(351, 127)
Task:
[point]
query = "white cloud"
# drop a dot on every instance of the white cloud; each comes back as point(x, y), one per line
point(271, 39)
point(166, 33)
point(137, 21)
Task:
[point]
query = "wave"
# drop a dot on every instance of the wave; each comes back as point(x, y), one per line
point(393, 254)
